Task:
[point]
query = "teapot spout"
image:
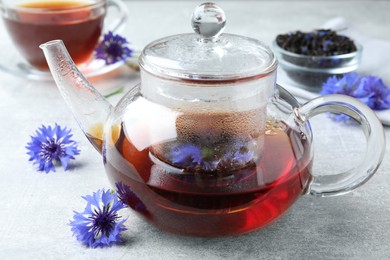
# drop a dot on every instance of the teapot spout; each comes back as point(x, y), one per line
point(89, 107)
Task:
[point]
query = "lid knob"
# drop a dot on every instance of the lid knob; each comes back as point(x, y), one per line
point(208, 20)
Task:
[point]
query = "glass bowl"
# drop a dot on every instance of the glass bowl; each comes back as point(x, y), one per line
point(309, 72)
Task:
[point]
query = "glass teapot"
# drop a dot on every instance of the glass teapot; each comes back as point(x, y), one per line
point(207, 144)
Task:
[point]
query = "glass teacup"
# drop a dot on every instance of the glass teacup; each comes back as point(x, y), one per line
point(79, 23)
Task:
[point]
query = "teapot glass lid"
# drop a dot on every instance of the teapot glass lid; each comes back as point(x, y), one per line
point(208, 54)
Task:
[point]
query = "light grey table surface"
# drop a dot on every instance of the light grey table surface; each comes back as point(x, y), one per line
point(35, 208)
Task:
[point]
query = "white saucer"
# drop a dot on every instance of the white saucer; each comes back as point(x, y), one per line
point(11, 62)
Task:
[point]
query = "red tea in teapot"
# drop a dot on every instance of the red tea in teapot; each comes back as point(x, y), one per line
point(35, 22)
point(187, 190)
point(200, 146)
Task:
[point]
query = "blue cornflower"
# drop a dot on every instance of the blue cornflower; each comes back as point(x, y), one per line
point(52, 144)
point(128, 197)
point(239, 156)
point(113, 48)
point(378, 97)
point(243, 157)
point(187, 155)
point(347, 85)
point(368, 89)
point(98, 225)
point(192, 157)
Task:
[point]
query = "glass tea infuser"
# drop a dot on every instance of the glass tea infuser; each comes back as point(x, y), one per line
point(207, 144)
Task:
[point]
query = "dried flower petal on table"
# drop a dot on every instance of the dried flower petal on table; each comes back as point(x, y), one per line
point(113, 48)
point(52, 144)
point(99, 225)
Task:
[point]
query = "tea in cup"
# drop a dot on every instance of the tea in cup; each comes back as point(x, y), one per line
point(79, 23)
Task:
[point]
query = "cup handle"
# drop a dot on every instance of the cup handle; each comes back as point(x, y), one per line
point(118, 23)
point(340, 183)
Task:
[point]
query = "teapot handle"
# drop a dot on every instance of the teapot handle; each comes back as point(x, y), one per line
point(120, 21)
point(340, 183)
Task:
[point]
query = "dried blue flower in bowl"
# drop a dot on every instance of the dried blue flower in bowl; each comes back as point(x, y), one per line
point(310, 58)
point(52, 144)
